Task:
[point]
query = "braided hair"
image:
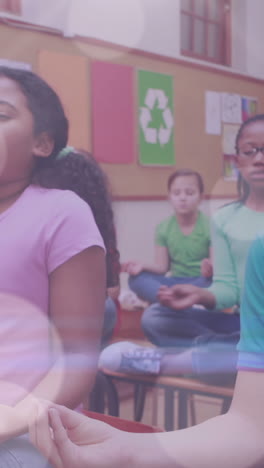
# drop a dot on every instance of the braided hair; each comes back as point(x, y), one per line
point(80, 173)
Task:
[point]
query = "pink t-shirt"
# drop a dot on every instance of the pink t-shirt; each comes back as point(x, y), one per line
point(43, 229)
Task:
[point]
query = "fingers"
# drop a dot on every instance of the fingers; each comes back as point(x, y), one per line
point(164, 294)
point(163, 288)
point(124, 267)
point(60, 435)
point(41, 436)
point(207, 269)
point(70, 419)
point(130, 267)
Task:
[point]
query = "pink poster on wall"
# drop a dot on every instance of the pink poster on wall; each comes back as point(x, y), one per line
point(113, 120)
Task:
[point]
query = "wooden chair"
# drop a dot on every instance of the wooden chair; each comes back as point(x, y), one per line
point(185, 388)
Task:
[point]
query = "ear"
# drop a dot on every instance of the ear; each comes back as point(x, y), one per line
point(43, 145)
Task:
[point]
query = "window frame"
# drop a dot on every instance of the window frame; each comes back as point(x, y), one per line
point(223, 22)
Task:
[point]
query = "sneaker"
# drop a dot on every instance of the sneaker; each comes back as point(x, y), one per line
point(131, 358)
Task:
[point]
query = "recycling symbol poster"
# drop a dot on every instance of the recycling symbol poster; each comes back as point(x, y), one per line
point(155, 119)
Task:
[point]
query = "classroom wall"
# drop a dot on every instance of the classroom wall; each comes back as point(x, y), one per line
point(150, 25)
point(50, 13)
point(255, 36)
point(239, 35)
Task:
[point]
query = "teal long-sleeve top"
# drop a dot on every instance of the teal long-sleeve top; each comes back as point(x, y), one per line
point(234, 227)
point(251, 345)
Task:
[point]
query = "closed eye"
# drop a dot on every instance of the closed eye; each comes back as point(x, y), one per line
point(249, 152)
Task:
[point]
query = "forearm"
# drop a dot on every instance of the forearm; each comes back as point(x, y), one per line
point(230, 441)
point(225, 293)
point(67, 382)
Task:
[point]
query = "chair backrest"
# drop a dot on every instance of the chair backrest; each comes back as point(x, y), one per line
point(122, 424)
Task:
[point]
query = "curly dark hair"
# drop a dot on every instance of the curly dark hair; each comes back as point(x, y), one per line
point(78, 171)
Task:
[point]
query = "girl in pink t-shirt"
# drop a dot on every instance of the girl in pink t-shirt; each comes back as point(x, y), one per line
point(52, 269)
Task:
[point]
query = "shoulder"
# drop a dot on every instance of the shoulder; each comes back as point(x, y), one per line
point(59, 203)
point(66, 223)
point(167, 223)
point(226, 213)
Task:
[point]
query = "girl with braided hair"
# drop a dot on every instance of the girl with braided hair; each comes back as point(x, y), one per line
point(56, 225)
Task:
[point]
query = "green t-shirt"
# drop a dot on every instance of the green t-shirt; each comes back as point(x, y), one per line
point(234, 227)
point(185, 251)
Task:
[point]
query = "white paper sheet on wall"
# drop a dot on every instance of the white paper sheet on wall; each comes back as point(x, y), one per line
point(229, 138)
point(212, 113)
point(231, 108)
point(228, 146)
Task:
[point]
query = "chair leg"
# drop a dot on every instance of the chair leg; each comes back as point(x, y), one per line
point(182, 409)
point(140, 392)
point(97, 396)
point(192, 410)
point(155, 409)
point(169, 409)
point(112, 397)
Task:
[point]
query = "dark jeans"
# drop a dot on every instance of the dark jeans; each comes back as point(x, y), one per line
point(146, 284)
point(211, 334)
point(110, 318)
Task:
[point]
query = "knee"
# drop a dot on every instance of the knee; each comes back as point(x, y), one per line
point(134, 281)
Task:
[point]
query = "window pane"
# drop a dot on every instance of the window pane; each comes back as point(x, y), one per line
point(199, 37)
point(215, 9)
point(186, 29)
point(186, 5)
point(199, 7)
point(214, 41)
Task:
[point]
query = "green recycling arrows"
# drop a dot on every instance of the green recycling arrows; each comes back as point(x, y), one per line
point(155, 119)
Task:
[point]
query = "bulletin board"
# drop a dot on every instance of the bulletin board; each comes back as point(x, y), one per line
point(66, 64)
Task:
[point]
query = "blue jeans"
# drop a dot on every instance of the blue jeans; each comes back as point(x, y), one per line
point(110, 317)
point(211, 334)
point(216, 354)
point(146, 284)
point(20, 453)
point(166, 327)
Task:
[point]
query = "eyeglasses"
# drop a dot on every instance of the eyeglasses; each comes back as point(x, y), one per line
point(250, 152)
